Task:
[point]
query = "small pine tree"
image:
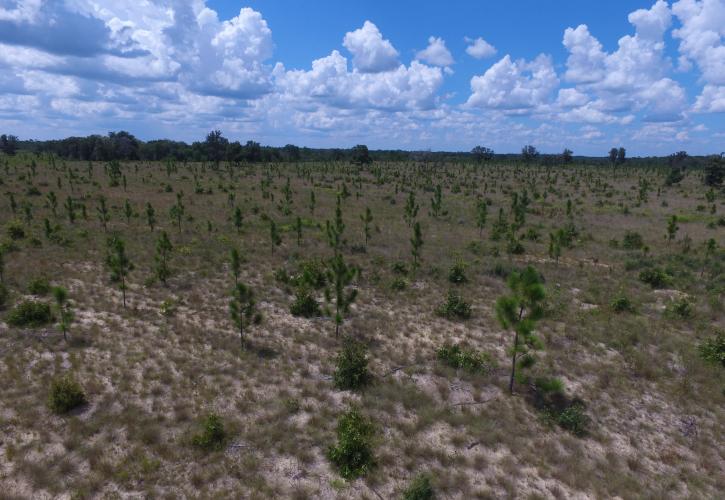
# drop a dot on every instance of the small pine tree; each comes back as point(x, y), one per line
point(436, 203)
point(70, 210)
point(298, 230)
point(274, 235)
point(103, 215)
point(416, 243)
point(366, 219)
point(341, 276)
point(238, 219)
point(235, 264)
point(481, 216)
point(177, 210)
point(410, 211)
point(163, 254)
point(519, 312)
point(554, 247)
point(128, 211)
point(243, 308)
point(119, 263)
point(150, 216)
point(672, 228)
point(65, 313)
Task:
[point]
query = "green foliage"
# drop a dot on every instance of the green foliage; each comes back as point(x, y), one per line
point(39, 286)
point(30, 313)
point(163, 253)
point(420, 489)
point(457, 273)
point(519, 311)
point(712, 350)
point(573, 419)
point(65, 395)
point(454, 307)
point(655, 277)
point(305, 304)
point(353, 454)
point(3, 295)
point(457, 356)
point(681, 308)
point(15, 230)
point(399, 284)
point(243, 308)
point(632, 240)
point(351, 371)
point(416, 242)
point(212, 435)
point(621, 303)
point(548, 396)
point(400, 268)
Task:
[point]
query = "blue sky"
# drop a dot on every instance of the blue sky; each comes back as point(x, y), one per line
point(647, 75)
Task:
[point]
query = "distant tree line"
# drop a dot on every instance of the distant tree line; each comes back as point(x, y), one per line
point(123, 146)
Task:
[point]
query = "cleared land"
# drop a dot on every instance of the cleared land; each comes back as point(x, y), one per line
point(153, 370)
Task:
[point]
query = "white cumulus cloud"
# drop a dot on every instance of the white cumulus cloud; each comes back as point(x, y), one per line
point(479, 48)
point(436, 53)
point(371, 53)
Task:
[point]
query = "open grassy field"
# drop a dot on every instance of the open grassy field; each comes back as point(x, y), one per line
point(647, 415)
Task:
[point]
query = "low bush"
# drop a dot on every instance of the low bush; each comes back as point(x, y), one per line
point(548, 396)
point(30, 313)
point(3, 295)
point(712, 350)
point(351, 371)
point(655, 277)
point(420, 489)
point(632, 240)
point(305, 304)
point(621, 303)
point(457, 356)
point(39, 286)
point(353, 453)
point(680, 308)
point(454, 307)
point(457, 273)
point(65, 395)
point(399, 284)
point(212, 435)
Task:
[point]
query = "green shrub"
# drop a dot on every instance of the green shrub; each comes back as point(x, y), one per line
point(65, 395)
point(632, 240)
point(351, 370)
point(681, 308)
point(573, 419)
point(15, 230)
point(457, 273)
point(3, 295)
point(456, 356)
point(353, 453)
point(305, 304)
point(621, 303)
point(212, 435)
point(454, 307)
point(400, 268)
point(39, 286)
point(30, 313)
point(655, 277)
point(712, 350)
point(399, 284)
point(420, 489)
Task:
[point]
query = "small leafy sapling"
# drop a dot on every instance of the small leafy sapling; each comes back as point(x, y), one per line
point(119, 263)
point(353, 454)
point(243, 308)
point(65, 313)
point(351, 366)
point(519, 311)
point(163, 254)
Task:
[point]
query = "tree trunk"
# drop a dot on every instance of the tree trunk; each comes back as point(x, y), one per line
point(123, 290)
